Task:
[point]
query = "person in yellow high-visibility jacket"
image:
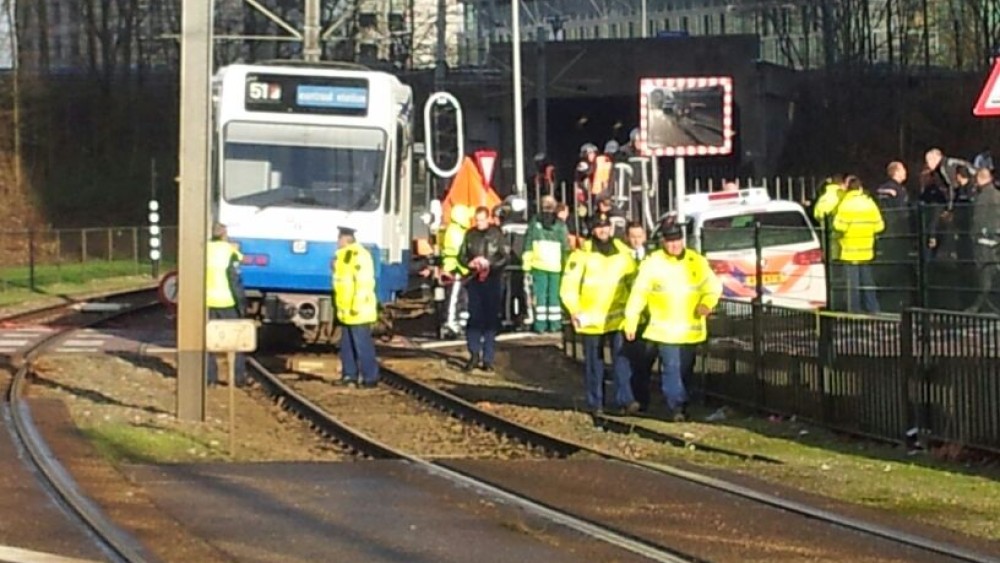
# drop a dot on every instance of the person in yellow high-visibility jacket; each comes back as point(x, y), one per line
point(833, 192)
point(224, 297)
point(594, 289)
point(453, 270)
point(678, 288)
point(357, 310)
point(856, 223)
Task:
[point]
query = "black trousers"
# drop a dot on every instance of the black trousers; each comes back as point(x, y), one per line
point(641, 356)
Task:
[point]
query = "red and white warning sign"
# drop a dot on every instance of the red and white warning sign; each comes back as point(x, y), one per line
point(988, 104)
point(168, 289)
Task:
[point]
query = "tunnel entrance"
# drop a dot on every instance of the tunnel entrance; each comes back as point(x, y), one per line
point(574, 121)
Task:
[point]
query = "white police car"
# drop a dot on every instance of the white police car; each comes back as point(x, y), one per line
point(722, 226)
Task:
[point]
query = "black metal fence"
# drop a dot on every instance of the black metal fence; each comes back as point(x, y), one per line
point(929, 256)
point(937, 372)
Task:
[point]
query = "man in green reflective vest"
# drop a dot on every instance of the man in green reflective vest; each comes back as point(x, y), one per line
point(546, 247)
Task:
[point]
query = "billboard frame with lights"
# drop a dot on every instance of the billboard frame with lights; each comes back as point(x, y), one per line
point(647, 87)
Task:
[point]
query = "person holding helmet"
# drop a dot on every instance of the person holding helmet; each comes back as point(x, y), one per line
point(452, 269)
point(485, 252)
point(594, 290)
point(677, 289)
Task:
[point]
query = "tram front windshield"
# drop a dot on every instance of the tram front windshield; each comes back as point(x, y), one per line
point(266, 165)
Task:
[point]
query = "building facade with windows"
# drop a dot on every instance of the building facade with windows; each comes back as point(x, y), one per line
point(798, 34)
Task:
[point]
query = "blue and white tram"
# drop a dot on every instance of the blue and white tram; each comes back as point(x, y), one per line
point(298, 151)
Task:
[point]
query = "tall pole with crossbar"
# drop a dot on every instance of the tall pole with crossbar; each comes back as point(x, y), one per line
point(195, 136)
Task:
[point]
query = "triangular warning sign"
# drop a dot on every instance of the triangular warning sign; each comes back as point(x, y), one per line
point(486, 160)
point(989, 101)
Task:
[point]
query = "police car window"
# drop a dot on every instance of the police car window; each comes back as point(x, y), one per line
point(735, 232)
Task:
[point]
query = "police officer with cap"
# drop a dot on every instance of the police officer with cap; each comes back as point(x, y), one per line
point(357, 310)
point(594, 290)
point(678, 289)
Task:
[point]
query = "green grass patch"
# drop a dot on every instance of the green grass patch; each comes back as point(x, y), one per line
point(45, 275)
point(956, 495)
point(55, 293)
point(126, 443)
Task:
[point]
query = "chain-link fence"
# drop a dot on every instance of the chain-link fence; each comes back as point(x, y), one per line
point(31, 259)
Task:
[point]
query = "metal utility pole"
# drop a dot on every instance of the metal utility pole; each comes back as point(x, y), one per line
point(14, 29)
point(441, 52)
point(195, 139)
point(515, 37)
point(311, 48)
point(541, 94)
point(645, 20)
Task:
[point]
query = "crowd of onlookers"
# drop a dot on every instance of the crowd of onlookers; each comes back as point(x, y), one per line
point(931, 243)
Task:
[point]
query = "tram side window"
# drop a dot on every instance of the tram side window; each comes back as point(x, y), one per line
point(402, 147)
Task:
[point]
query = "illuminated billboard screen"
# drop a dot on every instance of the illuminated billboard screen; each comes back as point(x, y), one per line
point(686, 116)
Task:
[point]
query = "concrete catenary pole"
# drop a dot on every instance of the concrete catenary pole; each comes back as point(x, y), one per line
point(311, 48)
point(195, 136)
point(515, 24)
point(441, 50)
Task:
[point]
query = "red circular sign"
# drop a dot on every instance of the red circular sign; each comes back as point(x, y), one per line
point(167, 291)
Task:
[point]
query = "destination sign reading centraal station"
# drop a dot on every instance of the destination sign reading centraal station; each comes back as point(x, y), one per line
point(300, 94)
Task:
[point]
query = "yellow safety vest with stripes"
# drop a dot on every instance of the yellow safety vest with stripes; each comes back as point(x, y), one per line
point(856, 223)
point(454, 235)
point(219, 256)
point(671, 288)
point(594, 287)
point(354, 285)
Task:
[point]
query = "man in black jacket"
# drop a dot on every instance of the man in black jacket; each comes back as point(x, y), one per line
point(895, 272)
point(485, 253)
point(986, 237)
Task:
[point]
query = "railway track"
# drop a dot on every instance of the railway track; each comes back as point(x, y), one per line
point(360, 443)
point(363, 444)
point(53, 477)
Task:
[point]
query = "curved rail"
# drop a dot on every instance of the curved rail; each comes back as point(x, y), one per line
point(110, 537)
point(330, 426)
point(460, 407)
point(48, 309)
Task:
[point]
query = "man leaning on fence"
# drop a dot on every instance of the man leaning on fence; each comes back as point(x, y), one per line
point(856, 221)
